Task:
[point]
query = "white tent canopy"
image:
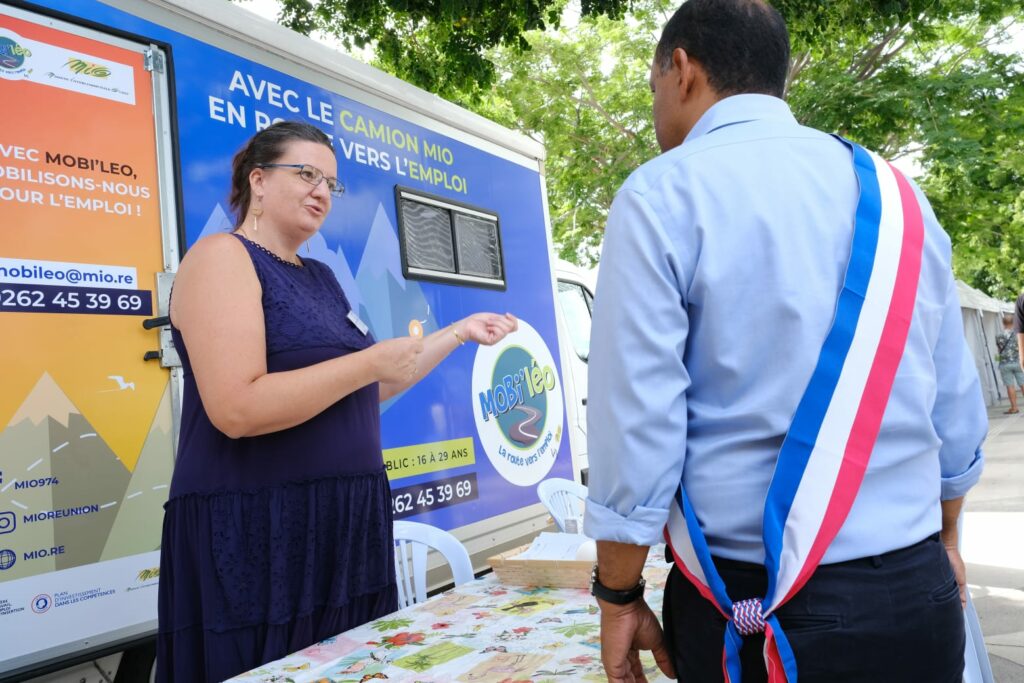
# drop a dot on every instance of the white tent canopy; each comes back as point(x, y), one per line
point(983, 320)
point(976, 299)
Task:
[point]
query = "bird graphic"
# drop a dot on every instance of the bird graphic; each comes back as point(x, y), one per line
point(121, 384)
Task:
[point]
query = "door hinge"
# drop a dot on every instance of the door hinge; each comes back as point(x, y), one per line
point(154, 60)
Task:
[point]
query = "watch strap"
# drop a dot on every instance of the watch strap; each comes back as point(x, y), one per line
point(615, 597)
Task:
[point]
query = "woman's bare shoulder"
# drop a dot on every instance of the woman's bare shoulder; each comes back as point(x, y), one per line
point(217, 263)
point(214, 259)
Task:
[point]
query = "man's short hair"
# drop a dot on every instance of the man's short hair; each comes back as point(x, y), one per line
point(743, 45)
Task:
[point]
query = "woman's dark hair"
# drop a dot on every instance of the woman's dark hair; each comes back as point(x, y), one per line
point(743, 45)
point(265, 147)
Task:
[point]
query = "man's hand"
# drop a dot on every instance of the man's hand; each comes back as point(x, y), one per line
point(959, 570)
point(625, 630)
point(951, 541)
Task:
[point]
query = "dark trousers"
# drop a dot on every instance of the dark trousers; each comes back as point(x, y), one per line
point(894, 617)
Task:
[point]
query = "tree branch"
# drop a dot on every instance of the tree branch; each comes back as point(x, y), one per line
point(879, 56)
point(907, 152)
point(594, 104)
point(866, 56)
point(957, 59)
point(601, 110)
point(797, 64)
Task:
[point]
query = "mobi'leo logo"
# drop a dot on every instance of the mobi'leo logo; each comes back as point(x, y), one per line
point(518, 399)
point(12, 53)
point(80, 66)
point(518, 406)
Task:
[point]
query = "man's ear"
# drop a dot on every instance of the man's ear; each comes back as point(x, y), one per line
point(692, 79)
point(684, 67)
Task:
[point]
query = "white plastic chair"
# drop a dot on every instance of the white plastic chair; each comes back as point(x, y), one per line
point(411, 542)
point(564, 499)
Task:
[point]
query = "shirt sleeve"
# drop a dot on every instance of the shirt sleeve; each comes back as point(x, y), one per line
point(959, 415)
point(636, 414)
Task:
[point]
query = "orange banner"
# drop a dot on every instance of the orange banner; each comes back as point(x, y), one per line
point(81, 238)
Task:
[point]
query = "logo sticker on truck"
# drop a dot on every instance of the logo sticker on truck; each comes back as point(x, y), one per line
point(517, 399)
point(55, 66)
point(12, 55)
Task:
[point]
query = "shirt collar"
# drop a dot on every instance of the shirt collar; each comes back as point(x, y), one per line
point(740, 109)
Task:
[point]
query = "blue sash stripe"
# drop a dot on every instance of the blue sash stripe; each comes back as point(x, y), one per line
point(785, 651)
point(733, 645)
point(700, 547)
point(799, 442)
point(715, 582)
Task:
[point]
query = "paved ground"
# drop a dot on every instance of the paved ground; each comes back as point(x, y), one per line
point(993, 545)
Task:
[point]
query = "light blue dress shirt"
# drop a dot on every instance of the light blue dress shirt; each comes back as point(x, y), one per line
point(721, 267)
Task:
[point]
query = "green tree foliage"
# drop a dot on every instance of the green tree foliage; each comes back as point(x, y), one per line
point(916, 78)
point(924, 80)
point(975, 180)
point(439, 45)
point(582, 92)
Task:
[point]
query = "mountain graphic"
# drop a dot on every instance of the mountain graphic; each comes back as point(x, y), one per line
point(46, 400)
point(389, 300)
point(90, 473)
point(49, 438)
point(141, 511)
point(24, 451)
point(218, 221)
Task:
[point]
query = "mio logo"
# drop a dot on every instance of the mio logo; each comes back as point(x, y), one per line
point(80, 66)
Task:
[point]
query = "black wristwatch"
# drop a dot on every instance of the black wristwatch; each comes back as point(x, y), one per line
point(599, 590)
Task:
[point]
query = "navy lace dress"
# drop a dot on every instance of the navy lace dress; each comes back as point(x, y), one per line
point(272, 543)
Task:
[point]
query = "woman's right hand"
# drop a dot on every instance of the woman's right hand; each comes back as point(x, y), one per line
point(395, 360)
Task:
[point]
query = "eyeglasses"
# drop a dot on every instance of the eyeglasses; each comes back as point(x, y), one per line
point(313, 176)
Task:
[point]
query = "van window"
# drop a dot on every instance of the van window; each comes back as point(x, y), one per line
point(428, 237)
point(577, 307)
point(477, 242)
point(447, 241)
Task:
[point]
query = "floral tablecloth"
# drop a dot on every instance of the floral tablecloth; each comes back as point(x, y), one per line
point(479, 632)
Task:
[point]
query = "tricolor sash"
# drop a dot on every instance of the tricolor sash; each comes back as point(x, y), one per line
point(825, 453)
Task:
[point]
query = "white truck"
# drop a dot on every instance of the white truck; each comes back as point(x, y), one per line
point(120, 121)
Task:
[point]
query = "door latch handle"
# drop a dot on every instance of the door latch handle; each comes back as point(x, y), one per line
point(162, 321)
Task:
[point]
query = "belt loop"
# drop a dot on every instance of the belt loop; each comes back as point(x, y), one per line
point(876, 561)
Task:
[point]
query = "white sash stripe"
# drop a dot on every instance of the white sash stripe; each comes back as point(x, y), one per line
point(815, 490)
point(681, 542)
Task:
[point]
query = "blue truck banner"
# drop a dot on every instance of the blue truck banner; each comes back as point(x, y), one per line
point(472, 440)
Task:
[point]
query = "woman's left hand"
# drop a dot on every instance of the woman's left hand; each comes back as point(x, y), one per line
point(486, 328)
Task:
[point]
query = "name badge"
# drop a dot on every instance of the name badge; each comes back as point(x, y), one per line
point(360, 325)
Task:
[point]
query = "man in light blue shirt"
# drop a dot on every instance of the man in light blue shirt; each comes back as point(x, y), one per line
point(722, 263)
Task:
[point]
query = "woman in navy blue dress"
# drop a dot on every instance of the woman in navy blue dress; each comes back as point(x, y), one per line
point(277, 531)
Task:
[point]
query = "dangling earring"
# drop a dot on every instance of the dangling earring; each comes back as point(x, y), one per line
point(257, 211)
